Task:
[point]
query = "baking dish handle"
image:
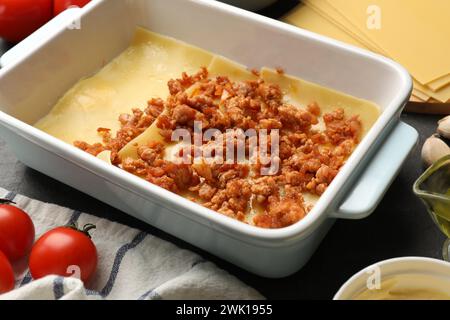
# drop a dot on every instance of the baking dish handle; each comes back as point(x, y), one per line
point(374, 181)
point(66, 19)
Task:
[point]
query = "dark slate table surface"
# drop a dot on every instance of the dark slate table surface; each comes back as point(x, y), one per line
point(399, 227)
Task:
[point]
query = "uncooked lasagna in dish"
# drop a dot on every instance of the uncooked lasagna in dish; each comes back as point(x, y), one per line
point(258, 146)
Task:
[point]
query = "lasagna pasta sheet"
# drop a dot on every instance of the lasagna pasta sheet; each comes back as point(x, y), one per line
point(142, 71)
point(399, 37)
point(347, 22)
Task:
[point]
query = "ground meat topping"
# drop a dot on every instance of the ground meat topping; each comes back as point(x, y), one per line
point(309, 158)
point(132, 125)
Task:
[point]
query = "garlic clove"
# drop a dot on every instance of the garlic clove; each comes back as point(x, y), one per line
point(444, 127)
point(434, 149)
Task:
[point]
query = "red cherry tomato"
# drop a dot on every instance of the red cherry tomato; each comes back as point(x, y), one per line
point(19, 18)
point(16, 231)
point(6, 275)
point(64, 251)
point(61, 5)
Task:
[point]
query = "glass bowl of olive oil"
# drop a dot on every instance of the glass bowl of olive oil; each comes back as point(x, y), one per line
point(433, 187)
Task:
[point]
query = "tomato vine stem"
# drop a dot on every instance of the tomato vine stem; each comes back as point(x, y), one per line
point(6, 201)
point(86, 228)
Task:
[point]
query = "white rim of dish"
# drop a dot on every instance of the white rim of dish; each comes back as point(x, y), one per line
point(363, 272)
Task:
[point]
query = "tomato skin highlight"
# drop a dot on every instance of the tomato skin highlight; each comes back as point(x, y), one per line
point(16, 232)
point(60, 251)
point(61, 5)
point(6, 274)
point(20, 18)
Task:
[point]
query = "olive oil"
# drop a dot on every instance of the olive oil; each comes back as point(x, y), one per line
point(441, 214)
point(433, 187)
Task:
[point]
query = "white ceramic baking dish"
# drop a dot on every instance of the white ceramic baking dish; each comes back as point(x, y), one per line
point(41, 69)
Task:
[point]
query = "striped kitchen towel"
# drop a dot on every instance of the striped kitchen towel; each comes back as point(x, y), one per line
point(132, 264)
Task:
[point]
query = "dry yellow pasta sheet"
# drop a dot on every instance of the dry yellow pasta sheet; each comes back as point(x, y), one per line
point(440, 87)
point(319, 16)
point(324, 9)
point(439, 83)
point(332, 14)
point(414, 32)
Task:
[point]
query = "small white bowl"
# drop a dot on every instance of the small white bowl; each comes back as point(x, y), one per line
point(394, 267)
